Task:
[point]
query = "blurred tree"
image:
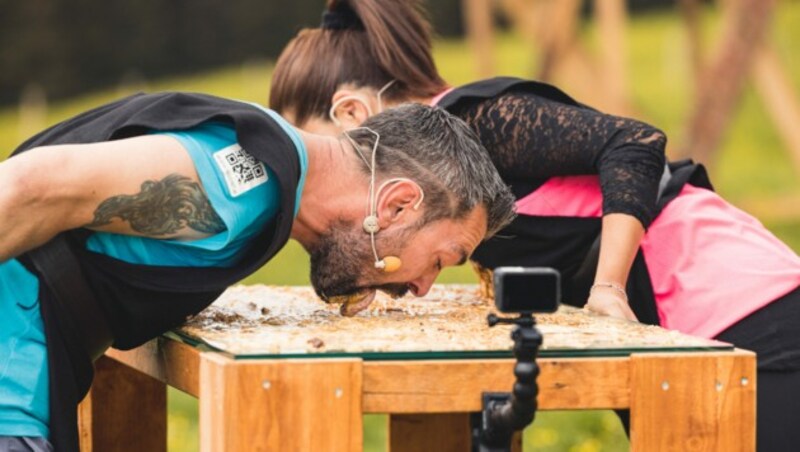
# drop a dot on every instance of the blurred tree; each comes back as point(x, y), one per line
point(721, 82)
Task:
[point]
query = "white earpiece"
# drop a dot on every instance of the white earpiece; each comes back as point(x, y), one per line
point(371, 225)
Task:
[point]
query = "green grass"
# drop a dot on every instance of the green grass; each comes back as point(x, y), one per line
point(752, 163)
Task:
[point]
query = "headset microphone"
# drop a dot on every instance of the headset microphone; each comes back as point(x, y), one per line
point(388, 264)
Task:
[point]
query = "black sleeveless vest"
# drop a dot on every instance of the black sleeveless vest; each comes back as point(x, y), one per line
point(568, 244)
point(140, 302)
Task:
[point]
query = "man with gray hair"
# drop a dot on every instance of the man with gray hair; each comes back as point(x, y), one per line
point(122, 221)
point(421, 154)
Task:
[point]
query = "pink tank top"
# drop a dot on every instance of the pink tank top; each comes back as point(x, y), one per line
point(710, 263)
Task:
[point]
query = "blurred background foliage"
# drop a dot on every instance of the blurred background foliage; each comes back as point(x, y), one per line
point(59, 58)
point(71, 46)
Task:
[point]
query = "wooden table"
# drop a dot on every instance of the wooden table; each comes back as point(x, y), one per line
point(679, 400)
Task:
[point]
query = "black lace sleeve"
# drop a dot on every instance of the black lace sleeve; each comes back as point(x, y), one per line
point(530, 137)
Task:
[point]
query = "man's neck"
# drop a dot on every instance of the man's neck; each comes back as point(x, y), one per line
point(331, 190)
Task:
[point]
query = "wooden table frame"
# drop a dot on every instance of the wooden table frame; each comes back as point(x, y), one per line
point(678, 401)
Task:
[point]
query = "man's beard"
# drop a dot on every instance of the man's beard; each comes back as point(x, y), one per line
point(344, 256)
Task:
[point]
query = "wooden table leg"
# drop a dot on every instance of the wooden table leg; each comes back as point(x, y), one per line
point(125, 410)
point(287, 404)
point(441, 432)
point(693, 403)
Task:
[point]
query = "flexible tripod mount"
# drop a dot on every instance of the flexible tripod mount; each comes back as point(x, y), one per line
point(504, 413)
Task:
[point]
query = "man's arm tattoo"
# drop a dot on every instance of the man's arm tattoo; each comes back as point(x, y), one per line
point(162, 207)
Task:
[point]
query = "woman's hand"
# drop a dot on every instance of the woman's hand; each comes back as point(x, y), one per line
point(605, 301)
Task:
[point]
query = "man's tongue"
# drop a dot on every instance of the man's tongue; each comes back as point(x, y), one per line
point(357, 303)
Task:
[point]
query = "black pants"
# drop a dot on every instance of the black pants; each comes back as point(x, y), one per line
point(773, 332)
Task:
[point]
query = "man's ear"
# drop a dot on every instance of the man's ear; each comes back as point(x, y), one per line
point(350, 108)
point(399, 202)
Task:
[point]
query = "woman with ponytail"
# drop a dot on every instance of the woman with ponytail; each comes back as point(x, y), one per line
point(633, 236)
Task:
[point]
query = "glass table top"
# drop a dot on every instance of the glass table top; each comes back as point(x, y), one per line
point(449, 323)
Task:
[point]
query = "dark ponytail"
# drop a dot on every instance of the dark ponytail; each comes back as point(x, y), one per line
point(366, 43)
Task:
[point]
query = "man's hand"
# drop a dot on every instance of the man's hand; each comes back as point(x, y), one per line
point(609, 303)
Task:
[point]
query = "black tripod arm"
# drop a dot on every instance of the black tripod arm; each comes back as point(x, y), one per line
point(520, 410)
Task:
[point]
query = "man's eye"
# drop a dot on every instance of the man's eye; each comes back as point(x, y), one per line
point(439, 264)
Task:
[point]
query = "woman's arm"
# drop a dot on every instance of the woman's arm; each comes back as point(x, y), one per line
point(144, 186)
point(619, 243)
point(534, 138)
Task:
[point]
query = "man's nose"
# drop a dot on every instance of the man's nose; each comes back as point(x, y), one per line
point(422, 285)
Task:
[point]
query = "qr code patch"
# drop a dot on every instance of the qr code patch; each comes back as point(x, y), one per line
point(241, 171)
